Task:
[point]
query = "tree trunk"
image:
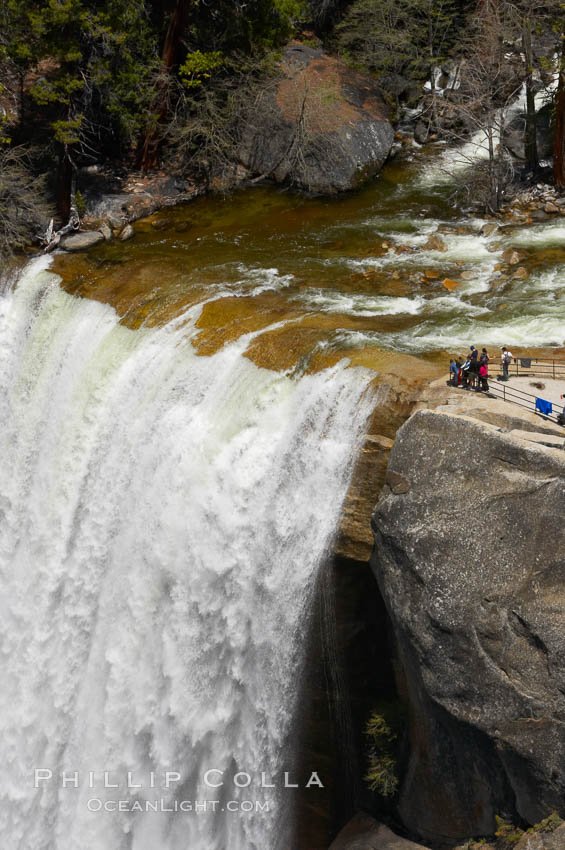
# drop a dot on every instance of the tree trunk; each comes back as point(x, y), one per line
point(64, 185)
point(492, 193)
point(530, 137)
point(559, 129)
point(171, 56)
point(501, 164)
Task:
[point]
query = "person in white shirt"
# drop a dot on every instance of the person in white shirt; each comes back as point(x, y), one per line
point(505, 360)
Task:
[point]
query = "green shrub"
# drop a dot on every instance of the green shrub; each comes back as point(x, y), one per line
point(382, 732)
point(548, 824)
point(507, 834)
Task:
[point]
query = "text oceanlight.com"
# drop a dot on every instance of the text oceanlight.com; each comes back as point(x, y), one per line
point(197, 807)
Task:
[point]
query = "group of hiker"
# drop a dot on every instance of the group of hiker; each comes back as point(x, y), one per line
point(471, 373)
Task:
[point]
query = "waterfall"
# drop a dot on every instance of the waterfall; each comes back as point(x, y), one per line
point(457, 161)
point(163, 518)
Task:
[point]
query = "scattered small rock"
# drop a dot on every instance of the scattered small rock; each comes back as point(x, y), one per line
point(127, 233)
point(398, 483)
point(106, 231)
point(489, 228)
point(551, 208)
point(435, 243)
point(183, 226)
point(511, 257)
point(450, 284)
point(521, 273)
point(467, 275)
point(161, 224)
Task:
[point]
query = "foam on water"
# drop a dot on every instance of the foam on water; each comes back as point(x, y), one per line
point(358, 304)
point(539, 236)
point(531, 322)
point(163, 517)
point(366, 305)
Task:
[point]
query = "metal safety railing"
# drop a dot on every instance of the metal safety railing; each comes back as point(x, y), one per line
point(532, 366)
point(500, 389)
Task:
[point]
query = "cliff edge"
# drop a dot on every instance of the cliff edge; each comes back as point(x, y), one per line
point(470, 558)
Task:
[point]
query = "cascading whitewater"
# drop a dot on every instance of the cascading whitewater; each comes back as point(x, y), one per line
point(162, 519)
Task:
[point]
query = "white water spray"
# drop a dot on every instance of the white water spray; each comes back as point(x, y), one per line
point(162, 520)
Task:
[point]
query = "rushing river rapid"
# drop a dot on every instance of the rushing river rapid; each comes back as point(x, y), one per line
point(180, 418)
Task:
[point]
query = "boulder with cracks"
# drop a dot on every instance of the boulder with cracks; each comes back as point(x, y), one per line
point(470, 558)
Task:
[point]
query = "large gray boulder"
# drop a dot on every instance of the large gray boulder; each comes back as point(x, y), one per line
point(323, 127)
point(470, 558)
point(515, 133)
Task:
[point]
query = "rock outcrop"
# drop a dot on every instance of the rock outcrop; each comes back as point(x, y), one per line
point(470, 558)
point(123, 198)
point(323, 128)
point(354, 539)
point(515, 134)
point(550, 840)
point(365, 833)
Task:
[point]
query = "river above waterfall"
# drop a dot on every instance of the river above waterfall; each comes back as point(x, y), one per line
point(165, 517)
point(324, 278)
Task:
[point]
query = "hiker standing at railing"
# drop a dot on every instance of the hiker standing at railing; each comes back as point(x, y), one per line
point(505, 361)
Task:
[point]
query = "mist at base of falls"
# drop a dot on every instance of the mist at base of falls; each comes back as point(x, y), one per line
point(163, 518)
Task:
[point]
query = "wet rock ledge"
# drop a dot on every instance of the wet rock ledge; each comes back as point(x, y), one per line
point(470, 559)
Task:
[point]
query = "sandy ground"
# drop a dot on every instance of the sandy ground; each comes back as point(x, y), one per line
point(551, 390)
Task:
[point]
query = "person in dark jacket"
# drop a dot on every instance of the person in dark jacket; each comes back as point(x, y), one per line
point(474, 367)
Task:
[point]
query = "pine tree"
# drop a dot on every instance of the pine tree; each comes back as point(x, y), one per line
point(91, 65)
point(407, 37)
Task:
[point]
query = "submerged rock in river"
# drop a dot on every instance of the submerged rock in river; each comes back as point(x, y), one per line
point(470, 558)
point(324, 127)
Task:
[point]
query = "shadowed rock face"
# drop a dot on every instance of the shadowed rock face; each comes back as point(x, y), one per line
point(470, 559)
point(323, 127)
point(365, 833)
